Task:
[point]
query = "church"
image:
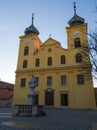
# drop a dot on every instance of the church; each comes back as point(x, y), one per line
point(58, 71)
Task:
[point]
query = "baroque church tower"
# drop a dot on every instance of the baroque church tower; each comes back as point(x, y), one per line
point(29, 46)
point(77, 29)
point(60, 81)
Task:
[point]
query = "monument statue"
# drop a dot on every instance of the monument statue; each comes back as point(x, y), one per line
point(32, 85)
point(30, 109)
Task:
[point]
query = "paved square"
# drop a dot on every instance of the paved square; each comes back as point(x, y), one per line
point(65, 119)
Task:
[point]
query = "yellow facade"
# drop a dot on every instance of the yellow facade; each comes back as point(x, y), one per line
point(57, 78)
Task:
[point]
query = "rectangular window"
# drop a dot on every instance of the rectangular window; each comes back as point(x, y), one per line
point(23, 82)
point(63, 80)
point(37, 83)
point(49, 81)
point(80, 79)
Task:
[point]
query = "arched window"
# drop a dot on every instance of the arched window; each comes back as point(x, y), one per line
point(63, 59)
point(80, 79)
point(78, 57)
point(49, 61)
point(37, 63)
point(26, 50)
point(77, 42)
point(25, 64)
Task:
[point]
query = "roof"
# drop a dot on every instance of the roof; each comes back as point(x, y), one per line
point(4, 95)
point(50, 40)
point(76, 20)
point(5, 85)
point(31, 29)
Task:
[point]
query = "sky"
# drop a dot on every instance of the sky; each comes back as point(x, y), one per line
point(50, 18)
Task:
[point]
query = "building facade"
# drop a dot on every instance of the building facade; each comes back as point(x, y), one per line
point(60, 81)
point(6, 94)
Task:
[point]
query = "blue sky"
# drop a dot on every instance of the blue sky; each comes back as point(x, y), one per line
point(51, 17)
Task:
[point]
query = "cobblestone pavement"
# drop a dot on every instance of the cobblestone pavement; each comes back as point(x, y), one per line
point(55, 119)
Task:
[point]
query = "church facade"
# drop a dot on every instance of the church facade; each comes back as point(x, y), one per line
point(60, 81)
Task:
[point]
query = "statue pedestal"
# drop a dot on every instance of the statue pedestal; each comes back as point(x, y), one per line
point(31, 99)
point(37, 111)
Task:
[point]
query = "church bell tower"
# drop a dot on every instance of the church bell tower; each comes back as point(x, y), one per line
point(28, 48)
point(76, 31)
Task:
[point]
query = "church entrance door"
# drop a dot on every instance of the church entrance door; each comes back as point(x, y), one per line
point(49, 97)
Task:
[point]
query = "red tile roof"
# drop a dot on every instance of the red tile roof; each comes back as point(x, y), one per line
point(8, 90)
point(4, 95)
point(5, 85)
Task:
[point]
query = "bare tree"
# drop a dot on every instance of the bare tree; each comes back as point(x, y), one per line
point(89, 56)
point(89, 53)
point(93, 52)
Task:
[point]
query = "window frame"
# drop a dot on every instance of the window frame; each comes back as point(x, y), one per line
point(63, 80)
point(49, 81)
point(77, 43)
point(23, 82)
point(26, 50)
point(63, 59)
point(78, 58)
point(49, 61)
point(37, 79)
point(80, 79)
point(37, 62)
point(25, 64)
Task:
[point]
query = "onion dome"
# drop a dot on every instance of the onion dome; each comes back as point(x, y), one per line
point(76, 20)
point(31, 29)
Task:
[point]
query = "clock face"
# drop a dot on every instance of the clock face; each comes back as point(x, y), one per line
point(27, 41)
point(76, 33)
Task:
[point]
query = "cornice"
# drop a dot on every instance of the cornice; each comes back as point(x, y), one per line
point(56, 69)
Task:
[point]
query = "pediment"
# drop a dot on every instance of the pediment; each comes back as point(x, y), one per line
point(51, 41)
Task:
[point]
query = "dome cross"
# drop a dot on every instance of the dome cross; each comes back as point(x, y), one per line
point(74, 3)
